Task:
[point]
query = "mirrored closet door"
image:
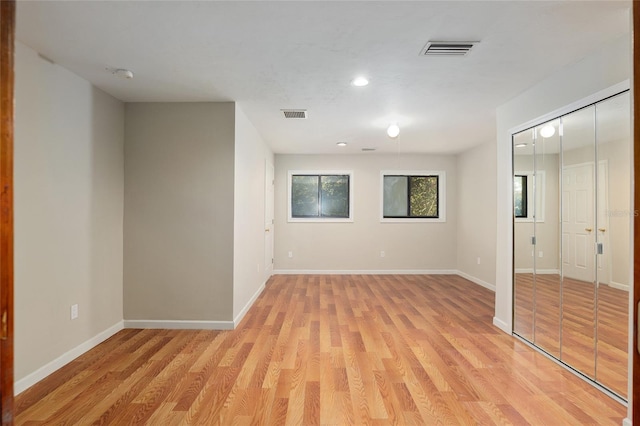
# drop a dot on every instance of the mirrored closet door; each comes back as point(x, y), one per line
point(572, 215)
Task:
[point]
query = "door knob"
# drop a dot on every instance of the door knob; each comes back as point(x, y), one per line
point(588, 229)
point(601, 229)
point(266, 230)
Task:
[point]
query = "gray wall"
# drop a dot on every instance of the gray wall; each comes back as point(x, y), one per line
point(356, 246)
point(68, 211)
point(179, 208)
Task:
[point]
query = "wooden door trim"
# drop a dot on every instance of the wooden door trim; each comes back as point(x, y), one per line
point(7, 45)
point(635, 82)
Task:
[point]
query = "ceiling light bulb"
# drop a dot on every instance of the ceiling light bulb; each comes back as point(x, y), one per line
point(360, 81)
point(341, 144)
point(393, 130)
point(547, 131)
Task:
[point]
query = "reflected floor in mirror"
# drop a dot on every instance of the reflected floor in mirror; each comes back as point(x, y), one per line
point(330, 350)
point(609, 366)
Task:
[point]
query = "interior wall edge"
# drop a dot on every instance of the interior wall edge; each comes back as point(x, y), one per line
point(249, 304)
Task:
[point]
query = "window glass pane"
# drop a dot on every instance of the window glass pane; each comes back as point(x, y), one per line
point(304, 196)
point(424, 196)
point(520, 196)
point(335, 196)
point(395, 196)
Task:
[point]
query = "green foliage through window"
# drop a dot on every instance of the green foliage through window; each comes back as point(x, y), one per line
point(410, 196)
point(320, 196)
point(520, 195)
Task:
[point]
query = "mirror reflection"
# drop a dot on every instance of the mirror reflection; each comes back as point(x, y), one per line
point(613, 144)
point(523, 234)
point(572, 215)
point(578, 240)
point(547, 301)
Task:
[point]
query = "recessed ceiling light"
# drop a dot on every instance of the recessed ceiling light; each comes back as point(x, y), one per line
point(520, 145)
point(393, 130)
point(341, 144)
point(547, 131)
point(122, 73)
point(360, 81)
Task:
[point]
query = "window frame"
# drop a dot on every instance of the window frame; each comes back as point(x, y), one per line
point(442, 196)
point(319, 219)
point(535, 205)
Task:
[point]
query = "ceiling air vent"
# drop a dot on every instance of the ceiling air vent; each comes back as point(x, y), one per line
point(368, 149)
point(294, 113)
point(447, 48)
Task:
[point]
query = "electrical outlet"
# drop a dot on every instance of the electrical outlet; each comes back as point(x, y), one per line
point(478, 260)
point(74, 311)
point(382, 253)
point(290, 254)
point(540, 253)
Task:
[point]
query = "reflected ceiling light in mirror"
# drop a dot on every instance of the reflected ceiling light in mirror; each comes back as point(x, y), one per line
point(547, 131)
point(393, 130)
point(341, 144)
point(520, 145)
point(360, 81)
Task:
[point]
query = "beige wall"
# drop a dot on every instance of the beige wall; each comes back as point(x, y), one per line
point(356, 246)
point(68, 211)
point(249, 266)
point(179, 207)
point(619, 208)
point(476, 213)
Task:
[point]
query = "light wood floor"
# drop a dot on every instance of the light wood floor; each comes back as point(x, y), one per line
point(330, 350)
point(599, 351)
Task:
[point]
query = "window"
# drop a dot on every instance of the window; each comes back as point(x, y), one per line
point(413, 196)
point(529, 196)
point(320, 196)
point(520, 200)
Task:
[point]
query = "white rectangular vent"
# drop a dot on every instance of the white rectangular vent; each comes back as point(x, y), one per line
point(368, 149)
point(447, 48)
point(294, 113)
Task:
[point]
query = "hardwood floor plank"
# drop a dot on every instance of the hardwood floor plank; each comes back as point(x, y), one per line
point(328, 350)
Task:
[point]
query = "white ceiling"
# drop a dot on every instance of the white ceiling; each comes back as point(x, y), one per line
point(272, 55)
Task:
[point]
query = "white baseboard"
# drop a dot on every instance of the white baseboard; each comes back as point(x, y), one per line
point(179, 324)
point(42, 372)
point(478, 281)
point(250, 303)
point(618, 286)
point(501, 325)
point(538, 271)
point(365, 272)
point(627, 422)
